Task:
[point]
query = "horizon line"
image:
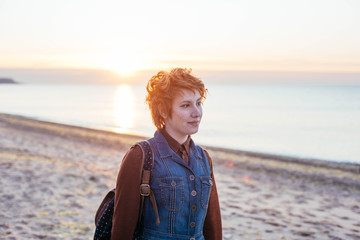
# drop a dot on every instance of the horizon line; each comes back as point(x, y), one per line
point(98, 75)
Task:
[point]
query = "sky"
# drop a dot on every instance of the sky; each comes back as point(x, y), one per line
point(235, 40)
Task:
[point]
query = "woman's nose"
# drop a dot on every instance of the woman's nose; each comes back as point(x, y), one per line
point(197, 111)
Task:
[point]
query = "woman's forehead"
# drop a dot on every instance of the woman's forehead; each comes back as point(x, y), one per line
point(186, 94)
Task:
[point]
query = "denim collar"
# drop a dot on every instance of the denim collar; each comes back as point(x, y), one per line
point(165, 151)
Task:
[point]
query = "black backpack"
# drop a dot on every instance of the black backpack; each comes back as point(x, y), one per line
point(105, 212)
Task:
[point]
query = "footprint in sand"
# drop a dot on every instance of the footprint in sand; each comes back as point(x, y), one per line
point(271, 212)
point(355, 208)
point(234, 187)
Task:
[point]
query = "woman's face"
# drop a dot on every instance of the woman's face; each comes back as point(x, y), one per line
point(186, 115)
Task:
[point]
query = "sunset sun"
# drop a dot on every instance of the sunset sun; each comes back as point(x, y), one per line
point(122, 64)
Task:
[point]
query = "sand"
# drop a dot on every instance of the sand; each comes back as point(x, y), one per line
point(54, 176)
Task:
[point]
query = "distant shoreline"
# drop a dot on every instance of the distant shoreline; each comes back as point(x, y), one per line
point(7, 81)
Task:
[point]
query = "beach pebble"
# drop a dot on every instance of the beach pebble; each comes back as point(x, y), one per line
point(10, 238)
point(6, 165)
point(335, 238)
point(355, 208)
point(30, 215)
point(227, 236)
point(9, 196)
point(274, 223)
point(303, 233)
point(67, 195)
point(40, 236)
point(76, 205)
point(48, 237)
point(93, 178)
point(4, 225)
point(357, 224)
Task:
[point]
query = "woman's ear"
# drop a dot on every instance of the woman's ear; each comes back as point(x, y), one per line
point(162, 112)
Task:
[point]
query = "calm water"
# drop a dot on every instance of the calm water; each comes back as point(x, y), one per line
point(305, 121)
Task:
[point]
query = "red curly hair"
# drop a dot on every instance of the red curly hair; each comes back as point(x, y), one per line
point(163, 87)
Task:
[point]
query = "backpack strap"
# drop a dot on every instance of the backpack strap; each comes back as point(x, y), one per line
point(104, 205)
point(145, 190)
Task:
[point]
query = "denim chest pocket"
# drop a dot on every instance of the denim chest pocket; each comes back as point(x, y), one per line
point(206, 184)
point(172, 193)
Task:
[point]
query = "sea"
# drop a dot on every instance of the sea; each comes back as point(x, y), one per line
point(306, 121)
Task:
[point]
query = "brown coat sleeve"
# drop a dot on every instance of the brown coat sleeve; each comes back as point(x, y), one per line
point(212, 225)
point(127, 196)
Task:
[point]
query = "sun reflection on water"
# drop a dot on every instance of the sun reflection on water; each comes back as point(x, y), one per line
point(124, 109)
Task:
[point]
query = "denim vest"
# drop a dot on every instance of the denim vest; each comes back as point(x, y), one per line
point(182, 193)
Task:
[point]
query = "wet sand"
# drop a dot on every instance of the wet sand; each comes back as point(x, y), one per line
point(54, 176)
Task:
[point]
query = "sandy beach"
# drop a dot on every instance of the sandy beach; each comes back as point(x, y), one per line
point(54, 176)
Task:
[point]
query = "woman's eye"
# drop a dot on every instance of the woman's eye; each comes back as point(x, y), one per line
point(199, 103)
point(185, 105)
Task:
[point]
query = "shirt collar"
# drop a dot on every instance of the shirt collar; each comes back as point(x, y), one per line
point(175, 145)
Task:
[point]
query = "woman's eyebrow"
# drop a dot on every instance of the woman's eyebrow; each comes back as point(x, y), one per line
point(189, 101)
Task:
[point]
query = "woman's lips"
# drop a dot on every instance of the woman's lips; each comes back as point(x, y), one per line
point(195, 123)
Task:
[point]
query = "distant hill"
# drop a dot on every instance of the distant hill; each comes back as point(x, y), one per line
point(7, 80)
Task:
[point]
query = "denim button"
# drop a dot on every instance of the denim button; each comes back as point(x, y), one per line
point(192, 224)
point(193, 193)
point(192, 177)
point(173, 183)
point(193, 207)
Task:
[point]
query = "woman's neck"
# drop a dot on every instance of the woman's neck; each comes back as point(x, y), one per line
point(179, 138)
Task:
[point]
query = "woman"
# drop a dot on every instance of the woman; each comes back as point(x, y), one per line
point(182, 179)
